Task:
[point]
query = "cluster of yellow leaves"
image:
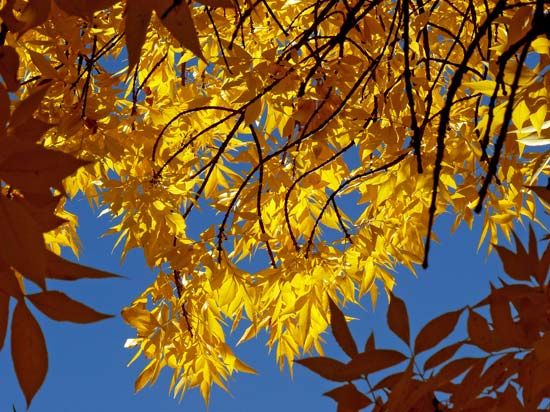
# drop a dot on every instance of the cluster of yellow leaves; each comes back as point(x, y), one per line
point(319, 138)
point(511, 351)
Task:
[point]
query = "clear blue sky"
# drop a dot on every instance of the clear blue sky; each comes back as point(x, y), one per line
point(88, 370)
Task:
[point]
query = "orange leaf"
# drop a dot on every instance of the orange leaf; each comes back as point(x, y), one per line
point(327, 368)
point(176, 17)
point(138, 16)
point(37, 169)
point(84, 8)
point(4, 317)
point(349, 397)
point(58, 306)
point(21, 239)
point(28, 351)
point(442, 355)
point(398, 318)
point(341, 331)
point(435, 331)
point(9, 64)
point(62, 269)
point(373, 361)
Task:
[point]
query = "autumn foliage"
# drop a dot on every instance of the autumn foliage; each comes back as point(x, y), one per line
point(320, 139)
point(505, 366)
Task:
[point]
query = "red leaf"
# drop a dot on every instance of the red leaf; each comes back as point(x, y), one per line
point(435, 331)
point(327, 368)
point(341, 331)
point(60, 307)
point(28, 351)
point(398, 318)
point(349, 397)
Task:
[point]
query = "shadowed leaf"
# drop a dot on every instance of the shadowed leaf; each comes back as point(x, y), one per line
point(176, 16)
point(373, 361)
point(138, 16)
point(341, 331)
point(398, 318)
point(20, 238)
point(28, 351)
point(4, 317)
point(62, 269)
point(435, 331)
point(349, 397)
point(58, 306)
point(327, 368)
point(442, 355)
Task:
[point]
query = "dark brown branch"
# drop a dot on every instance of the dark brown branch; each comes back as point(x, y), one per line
point(86, 87)
point(417, 137)
point(218, 38)
point(346, 183)
point(259, 195)
point(493, 164)
point(341, 221)
point(445, 116)
point(179, 289)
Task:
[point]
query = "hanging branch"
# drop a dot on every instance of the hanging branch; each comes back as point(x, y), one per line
point(179, 289)
point(493, 164)
point(417, 137)
point(445, 116)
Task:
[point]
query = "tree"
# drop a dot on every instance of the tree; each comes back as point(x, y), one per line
point(320, 137)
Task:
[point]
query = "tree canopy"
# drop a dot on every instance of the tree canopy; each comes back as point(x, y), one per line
point(321, 138)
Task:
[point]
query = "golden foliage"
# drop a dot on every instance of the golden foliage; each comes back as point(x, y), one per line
point(319, 138)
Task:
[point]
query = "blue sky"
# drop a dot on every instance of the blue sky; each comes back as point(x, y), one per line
point(88, 370)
